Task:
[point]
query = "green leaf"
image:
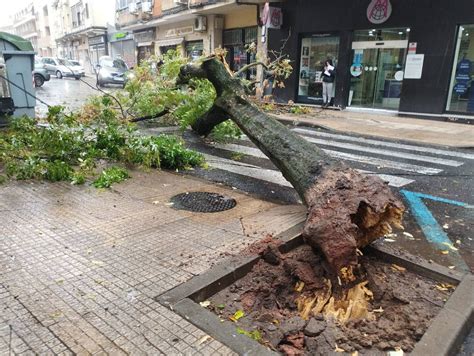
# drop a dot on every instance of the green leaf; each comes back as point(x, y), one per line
point(238, 314)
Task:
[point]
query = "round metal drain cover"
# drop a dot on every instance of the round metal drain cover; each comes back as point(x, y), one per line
point(202, 202)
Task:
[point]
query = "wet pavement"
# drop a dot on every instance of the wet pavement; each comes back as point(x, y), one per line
point(443, 173)
point(68, 92)
point(80, 267)
point(434, 182)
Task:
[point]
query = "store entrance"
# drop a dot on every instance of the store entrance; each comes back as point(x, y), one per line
point(377, 73)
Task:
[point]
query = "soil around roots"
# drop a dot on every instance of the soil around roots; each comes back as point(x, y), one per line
point(399, 305)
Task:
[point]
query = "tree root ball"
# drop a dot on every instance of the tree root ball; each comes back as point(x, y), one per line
point(348, 210)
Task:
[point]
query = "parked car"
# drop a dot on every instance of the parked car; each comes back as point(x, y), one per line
point(112, 71)
point(78, 66)
point(62, 68)
point(40, 74)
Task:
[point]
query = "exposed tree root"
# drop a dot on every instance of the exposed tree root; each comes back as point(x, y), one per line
point(346, 209)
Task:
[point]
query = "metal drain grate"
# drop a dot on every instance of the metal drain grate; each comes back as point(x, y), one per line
point(202, 202)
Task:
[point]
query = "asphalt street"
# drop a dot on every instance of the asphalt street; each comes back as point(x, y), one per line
point(68, 92)
point(436, 183)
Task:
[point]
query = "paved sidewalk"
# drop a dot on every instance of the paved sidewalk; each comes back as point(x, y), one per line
point(79, 267)
point(389, 126)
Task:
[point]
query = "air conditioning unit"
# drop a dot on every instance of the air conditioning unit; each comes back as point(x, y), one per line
point(200, 24)
point(147, 6)
point(132, 8)
point(180, 2)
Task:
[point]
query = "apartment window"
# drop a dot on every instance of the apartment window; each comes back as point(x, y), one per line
point(122, 4)
point(87, 11)
point(45, 10)
point(47, 30)
point(76, 11)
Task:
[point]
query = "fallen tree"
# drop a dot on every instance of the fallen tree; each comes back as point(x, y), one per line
point(347, 210)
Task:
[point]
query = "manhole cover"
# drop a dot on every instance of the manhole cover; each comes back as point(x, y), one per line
point(202, 202)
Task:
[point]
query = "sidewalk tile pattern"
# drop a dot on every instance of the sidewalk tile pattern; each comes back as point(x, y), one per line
point(79, 267)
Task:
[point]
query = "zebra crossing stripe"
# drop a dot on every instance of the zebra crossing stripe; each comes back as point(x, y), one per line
point(248, 170)
point(410, 156)
point(408, 167)
point(276, 177)
point(386, 144)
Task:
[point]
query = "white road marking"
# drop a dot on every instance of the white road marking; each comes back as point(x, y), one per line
point(248, 170)
point(386, 144)
point(391, 153)
point(276, 177)
point(255, 152)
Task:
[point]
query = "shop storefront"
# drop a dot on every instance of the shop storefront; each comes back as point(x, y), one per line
point(144, 41)
point(122, 45)
point(315, 50)
point(97, 48)
point(190, 38)
point(194, 49)
point(395, 56)
point(238, 43)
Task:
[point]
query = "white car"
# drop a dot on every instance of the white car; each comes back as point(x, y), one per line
point(62, 68)
point(77, 65)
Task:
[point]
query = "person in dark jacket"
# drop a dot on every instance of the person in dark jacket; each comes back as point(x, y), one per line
point(328, 76)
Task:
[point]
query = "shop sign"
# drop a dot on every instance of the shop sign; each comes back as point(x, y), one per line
point(96, 40)
point(272, 17)
point(120, 35)
point(379, 11)
point(144, 36)
point(414, 66)
point(412, 47)
point(275, 18)
point(179, 32)
point(460, 88)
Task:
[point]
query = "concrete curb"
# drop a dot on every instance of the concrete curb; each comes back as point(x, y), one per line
point(306, 123)
point(443, 337)
point(449, 328)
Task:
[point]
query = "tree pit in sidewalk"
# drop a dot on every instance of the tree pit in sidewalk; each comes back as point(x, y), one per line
point(292, 304)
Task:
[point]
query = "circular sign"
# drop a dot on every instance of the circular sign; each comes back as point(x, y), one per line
point(399, 75)
point(356, 70)
point(379, 11)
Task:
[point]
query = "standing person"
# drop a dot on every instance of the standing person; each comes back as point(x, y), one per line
point(328, 76)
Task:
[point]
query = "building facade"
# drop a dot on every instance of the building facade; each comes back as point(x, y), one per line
point(82, 27)
point(25, 24)
point(193, 27)
point(411, 57)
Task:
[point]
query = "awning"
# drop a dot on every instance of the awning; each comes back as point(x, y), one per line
point(144, 44)
point(170, 42)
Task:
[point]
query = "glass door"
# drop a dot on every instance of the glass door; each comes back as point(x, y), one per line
point(377, 68)
point(379, 82)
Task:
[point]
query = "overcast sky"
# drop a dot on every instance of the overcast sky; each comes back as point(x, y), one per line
point(9, 7)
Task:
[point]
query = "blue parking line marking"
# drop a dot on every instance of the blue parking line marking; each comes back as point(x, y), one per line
point(433, 232)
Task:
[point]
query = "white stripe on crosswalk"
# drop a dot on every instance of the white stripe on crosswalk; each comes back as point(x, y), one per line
point(276, 177)
point(385, 143)
point(248, 170)
point(255, 152)
point(392, 153)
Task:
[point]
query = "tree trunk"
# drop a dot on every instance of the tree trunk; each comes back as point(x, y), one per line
point(346, 209)
point(204, 125)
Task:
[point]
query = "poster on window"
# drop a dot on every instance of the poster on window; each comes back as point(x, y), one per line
point(414, 66)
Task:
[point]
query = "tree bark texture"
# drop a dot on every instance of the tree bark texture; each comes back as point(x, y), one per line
point(346, 209)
